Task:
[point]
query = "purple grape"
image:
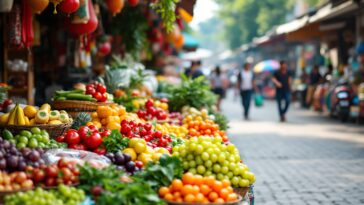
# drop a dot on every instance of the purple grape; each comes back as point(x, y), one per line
point(12, 162)
point(2, 164)
point(119, 159)
point(22, 165)
point(6, 144)
point(1, 155)
point(130, 166)
point(34, 156)
point(127, 158)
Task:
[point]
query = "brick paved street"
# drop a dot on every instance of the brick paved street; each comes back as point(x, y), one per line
point(312, 159)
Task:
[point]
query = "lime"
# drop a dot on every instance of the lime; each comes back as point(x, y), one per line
point(35, 130)
point(33, 143)
point(38, 137)
point(44, 133)
point(21, 145)
point(23, 140)
point(26, 133)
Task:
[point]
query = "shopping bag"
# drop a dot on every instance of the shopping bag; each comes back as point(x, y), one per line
point(258, 100)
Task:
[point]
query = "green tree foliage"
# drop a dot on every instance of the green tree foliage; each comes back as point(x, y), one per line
point(245, 19)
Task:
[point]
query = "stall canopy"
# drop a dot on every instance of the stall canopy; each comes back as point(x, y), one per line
point(190, 43)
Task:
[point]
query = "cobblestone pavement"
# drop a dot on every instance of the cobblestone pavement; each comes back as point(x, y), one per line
point(309, 160)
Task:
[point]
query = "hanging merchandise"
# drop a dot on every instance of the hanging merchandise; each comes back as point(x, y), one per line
point(69, 6)
point(115, 6)
point(15, 27)
point(55, 3)
point(38, 5)
point(88, 27)
point(133, 2)
point(82, 15)
point(178, 43)
point(27, 25)
point(104, 48)
point(5, 6)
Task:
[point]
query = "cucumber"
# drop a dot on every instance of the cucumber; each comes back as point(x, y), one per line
point(78, 96)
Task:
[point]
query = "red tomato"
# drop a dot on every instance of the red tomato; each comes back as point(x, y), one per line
point(38, 175)
point(66, 174)
point(50, 182)
point(93, 128)
point(93, 141)
point(60, 138)
point(97, 96)
point(105, 133)
point(149, 103)
point(62, 163)
point(84, 132)
point(125, 129)
point(90, 90)
point(148, 126)
point(162, 142)
point(103, 97)
point(72, 137)
point(158, 134)
point(51, 171)
point(101, 88)
point(100, 150)
point(147, 138)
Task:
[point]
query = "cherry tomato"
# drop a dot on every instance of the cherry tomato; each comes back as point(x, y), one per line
point(100, 150)
point(38, 175)
point(148, 126)
point(162, 142)
point(141, 114)
point(62, 163)
point(72, 137)
point(149, 103)
point(125, 129)
point(51, 171)
point(60, 138)
point(66, 174)
point(139, 164)
point(50, 182)
point(147, 138)
point(101, 88)
point(158, 134)
point(103, 97)
point(77, 146)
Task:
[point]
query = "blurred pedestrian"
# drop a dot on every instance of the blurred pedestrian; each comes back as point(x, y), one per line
point(328, 75)
point(314, 80)
point(219, 84)
point(195, 70)
point(245, 85)
point(282, 80)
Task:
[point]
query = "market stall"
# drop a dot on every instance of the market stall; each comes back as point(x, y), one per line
point(122, 135)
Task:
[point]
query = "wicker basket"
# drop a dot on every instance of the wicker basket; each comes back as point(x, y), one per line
point(237, 202)
point(73, 107)
point(53, 130)
point(241, 191)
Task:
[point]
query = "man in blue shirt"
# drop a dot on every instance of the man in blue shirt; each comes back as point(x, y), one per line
point(282, 80)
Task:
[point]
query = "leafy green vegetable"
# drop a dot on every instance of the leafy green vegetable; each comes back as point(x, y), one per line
point(162, 173)
point(192, 92)
point(115, 141)
point(167, 11)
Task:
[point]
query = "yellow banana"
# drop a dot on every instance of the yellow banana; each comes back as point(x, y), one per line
point(12, 116)
point(20, 116)
point(26, 120)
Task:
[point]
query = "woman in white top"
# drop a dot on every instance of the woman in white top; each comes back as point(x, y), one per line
point(219, 84)
point(246, 84)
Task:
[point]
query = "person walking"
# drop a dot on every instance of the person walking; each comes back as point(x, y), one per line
point(195, 70)
point(314, 80)
point(219, 84)
point(245, 85)
point(282, 80)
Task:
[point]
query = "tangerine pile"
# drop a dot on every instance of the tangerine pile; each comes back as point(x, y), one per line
point(205, 127)
point(198, 189)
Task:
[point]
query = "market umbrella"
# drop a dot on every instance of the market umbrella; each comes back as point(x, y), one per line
point(267, 65)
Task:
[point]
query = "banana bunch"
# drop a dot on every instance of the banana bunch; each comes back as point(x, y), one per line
point(17, 117)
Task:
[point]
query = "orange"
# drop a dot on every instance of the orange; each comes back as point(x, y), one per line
point(209, 181)
point(103, 111)
point(200, 198)
point(188, 178)
point(204, 189)
point(94, 115)
point(217, 186)
point(230, 189)
point(189, 198)
point(168, 197)
point(163, 191)
point(213, 196)
point(224, 193)
point(113, 126)
point(97, 124)
point(198, 180)
point(232, 197)
point(177, 195)
point(187, 189)
point(219, 200)
point(177, 185)
point(104, 121)
point(196, 189)
point(225, 183)
point(178, 199)
point(121, 111)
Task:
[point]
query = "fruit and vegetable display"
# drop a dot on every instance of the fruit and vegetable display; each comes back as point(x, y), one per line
point(30, 115)
point(160, 152)
point(32, 139)
point(94, 92)
point(210, 157)
point(197, 189)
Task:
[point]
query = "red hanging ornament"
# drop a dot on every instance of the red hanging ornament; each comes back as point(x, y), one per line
point(105, 48)
point(69, 6)
point(88, 27)
point(133, 2)
point(115, 6)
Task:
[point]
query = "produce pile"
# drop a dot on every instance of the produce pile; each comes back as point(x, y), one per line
point(149, 155)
